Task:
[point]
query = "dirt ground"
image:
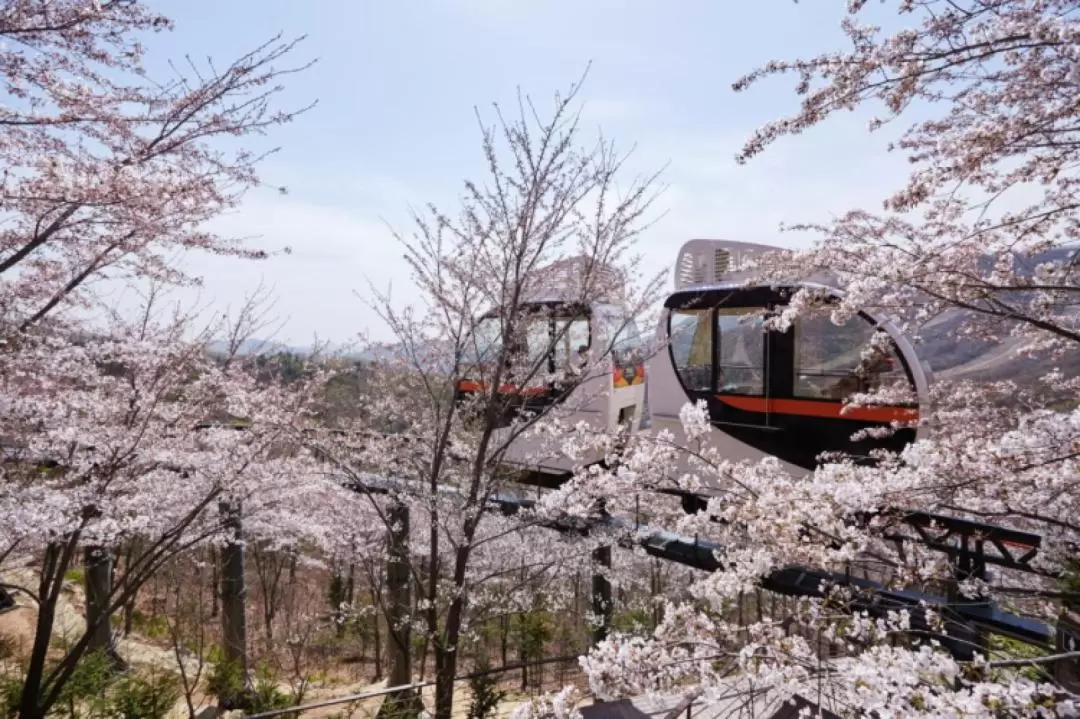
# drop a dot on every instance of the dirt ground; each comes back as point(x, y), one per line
point(19, 623)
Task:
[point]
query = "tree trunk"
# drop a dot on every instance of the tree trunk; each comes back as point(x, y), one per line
point(1067, 672)
point(129, 618)
point(655, 590)
point(524, 659)
point(404, 703)
point(215, 582)
point(336, 595)
point(378, 649)
point(268, 568)
point(233, 594)
point(130, 552)
point(446, 651)
point(56, 562)
point(446, 666)
point(348, 587)
point(426, 567)
point(377, 634)
point(97, 579)
point(504, 637)
point(601, 595)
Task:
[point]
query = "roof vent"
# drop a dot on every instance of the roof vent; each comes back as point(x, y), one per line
point(723, 261)
point(709, 262)
point(575, 279)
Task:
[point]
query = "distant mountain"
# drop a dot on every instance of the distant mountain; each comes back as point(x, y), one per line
point(938, 344)
point(382, 353)
point(254, 347)
point(967, 358)
point(248, 347)
point(954, 359)
point(433, 354)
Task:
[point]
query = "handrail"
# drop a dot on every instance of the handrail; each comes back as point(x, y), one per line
point(404, 687)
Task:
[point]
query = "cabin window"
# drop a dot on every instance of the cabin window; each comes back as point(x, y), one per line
point(571, 343)
point(835, 361)
point(628, 346)
point(538, 341)
point(691, 348)
point(485, 343)
point(740, 351)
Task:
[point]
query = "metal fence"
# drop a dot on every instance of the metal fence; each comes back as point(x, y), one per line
point(365, 705)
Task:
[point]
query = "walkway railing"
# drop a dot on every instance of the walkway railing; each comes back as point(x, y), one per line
point(370, 711)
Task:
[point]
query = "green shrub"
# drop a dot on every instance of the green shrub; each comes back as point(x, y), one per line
point(95, 691)
point(84, 695)
point(485, 697)
point(10, 693)
point(225, 681)
point(8, 646)
point(156, 627)
point(1070, 582)
point(532, 630)
point(266, 696)
point(150, 696)
point(1020, 650)
point(631, 621)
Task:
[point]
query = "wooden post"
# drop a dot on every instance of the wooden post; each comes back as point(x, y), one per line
point(97, 579)
point(601, 594)
point(399, 609)
point(233, 594)
point(969, 564)
point(1067, 671)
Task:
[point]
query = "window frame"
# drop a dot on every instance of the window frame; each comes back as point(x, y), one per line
point(557, 311)
point(710, 322)
point(900, 371)
point(780, 348)
point(554, 341)
point(718, 338)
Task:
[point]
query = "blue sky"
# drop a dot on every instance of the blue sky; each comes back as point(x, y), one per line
point(396, 83)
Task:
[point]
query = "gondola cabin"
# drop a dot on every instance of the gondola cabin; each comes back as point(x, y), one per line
point(584, 361)
point(771, 392)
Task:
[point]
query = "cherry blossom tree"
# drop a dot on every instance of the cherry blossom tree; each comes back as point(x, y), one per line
point(547, 201)
point(109, 173)
point(108, 450)
point(983, 235)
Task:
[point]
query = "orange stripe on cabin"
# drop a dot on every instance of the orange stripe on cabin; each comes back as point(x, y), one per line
point(468, 385)
point(817, 408)
point(1018, 545)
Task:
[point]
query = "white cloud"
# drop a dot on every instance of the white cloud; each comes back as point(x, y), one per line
point(335, 253)
point(337, 250)
point(605, 110)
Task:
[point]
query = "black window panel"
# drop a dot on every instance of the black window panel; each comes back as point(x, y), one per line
point(691, 348)
point(741, 358)
point(561, 317)
point(833, 361)
point(795, 438)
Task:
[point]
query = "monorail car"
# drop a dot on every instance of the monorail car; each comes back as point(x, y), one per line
point(771, 392)
point(768, 392)
point(587, 357)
